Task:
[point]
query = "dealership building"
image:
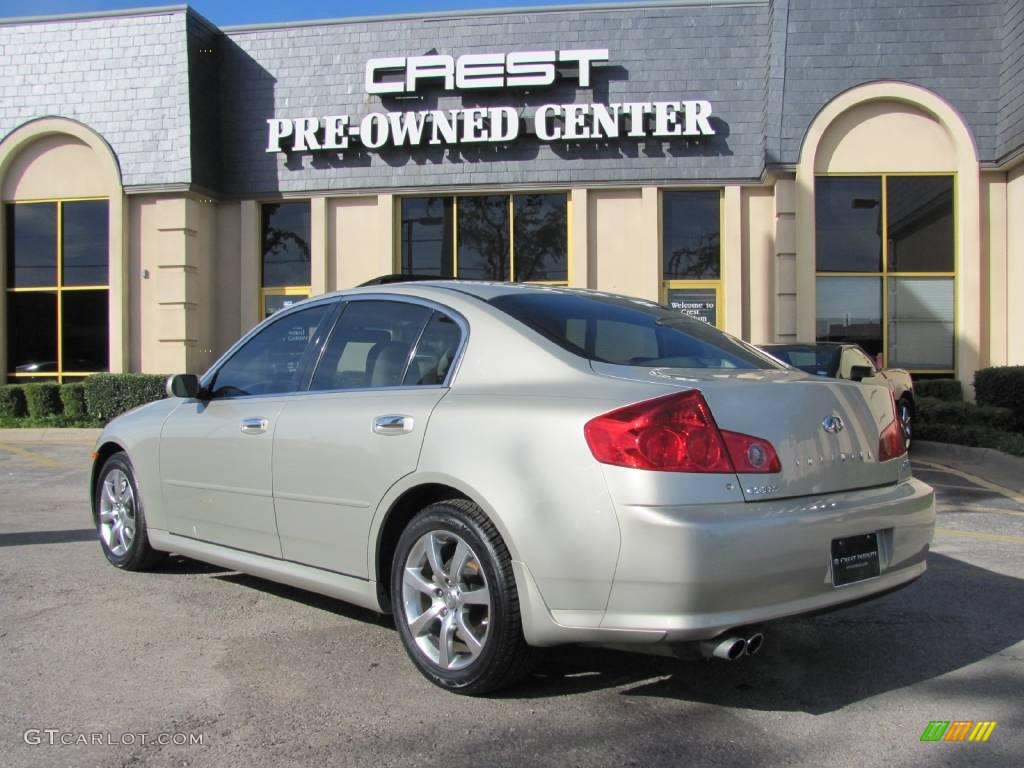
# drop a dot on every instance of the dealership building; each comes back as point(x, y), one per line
point(788, 170)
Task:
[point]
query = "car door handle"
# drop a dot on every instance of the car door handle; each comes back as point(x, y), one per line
point(392, 425)
point(255, 426)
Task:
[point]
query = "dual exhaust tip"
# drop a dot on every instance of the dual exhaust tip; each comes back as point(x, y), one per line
point(732, 647)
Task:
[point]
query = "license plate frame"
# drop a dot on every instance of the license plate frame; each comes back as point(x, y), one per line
point(855, 559)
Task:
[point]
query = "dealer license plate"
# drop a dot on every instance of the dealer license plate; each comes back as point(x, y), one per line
point(854, 558)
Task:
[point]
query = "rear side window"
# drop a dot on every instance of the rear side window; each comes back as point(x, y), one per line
point(435, 352)
point(821, 361)
point(614, 329)
point(370, 345)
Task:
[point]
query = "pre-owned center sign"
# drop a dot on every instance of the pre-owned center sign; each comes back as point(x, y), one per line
point(505, 124)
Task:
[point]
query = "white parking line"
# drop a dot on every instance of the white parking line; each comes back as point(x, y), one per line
point(1008, 493)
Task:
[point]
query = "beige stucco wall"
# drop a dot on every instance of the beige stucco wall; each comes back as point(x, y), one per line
point(1015, 266)
point(623, 236)
point(360, 239)
point(175, 283)
point(757, 267)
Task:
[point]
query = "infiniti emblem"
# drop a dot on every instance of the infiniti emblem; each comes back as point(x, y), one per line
point(832, 424)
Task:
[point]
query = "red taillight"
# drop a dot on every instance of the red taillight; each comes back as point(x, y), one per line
point(891, 444)
point(675, 433)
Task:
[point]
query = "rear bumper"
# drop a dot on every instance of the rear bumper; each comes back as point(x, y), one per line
point(692, 572)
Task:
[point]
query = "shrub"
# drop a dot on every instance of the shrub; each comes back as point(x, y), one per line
point(942, 389)
point(73, 397)
point(1002, 387)
point(43, 400)
point(983, 437)
point(110, 394)
point(12, 401)
point(937, 412)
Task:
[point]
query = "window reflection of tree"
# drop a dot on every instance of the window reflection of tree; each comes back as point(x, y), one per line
point(540, 237)
point(695, 259)
point(483, 237)
point(283, 247)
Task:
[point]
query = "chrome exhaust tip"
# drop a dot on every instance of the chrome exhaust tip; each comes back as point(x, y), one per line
point(754, 643)
point(728, 648)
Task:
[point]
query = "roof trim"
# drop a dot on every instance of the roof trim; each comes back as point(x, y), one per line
point(435, 16)
point(158, 10)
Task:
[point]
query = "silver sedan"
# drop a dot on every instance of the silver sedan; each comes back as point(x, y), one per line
point(506, 467)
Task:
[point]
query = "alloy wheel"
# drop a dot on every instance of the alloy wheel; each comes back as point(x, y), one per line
point(446, 601)
point(117, 513)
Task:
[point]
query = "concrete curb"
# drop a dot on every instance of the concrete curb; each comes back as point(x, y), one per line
point(66, 435)
point(993, 466)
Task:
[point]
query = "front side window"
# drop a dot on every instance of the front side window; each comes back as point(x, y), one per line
point(623, 331)
point(270, 363)
point(521, 237)
point(58, 289)
point(691, 253)
point(285, 265)
point(886, 267)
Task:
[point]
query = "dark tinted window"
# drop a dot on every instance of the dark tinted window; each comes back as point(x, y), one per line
point(86, 244)
point(541, 227)
point(286, 244)
point(31, 245)
point(427, 236)
point(483, 237)
point(848, 221)
point(370, 345)
point(919, 210)
point(32, 331)
point(691, 237)
point(821, 361)
point(628, 331)
point(84, 347)
point(435, 352)
point(269, 362)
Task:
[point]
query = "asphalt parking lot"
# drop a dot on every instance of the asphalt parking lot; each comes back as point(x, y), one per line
point(273, 676)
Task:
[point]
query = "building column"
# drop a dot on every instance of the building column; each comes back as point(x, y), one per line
point(250, 255)
point(732, 261)
point(579, 249)
point(786, 328)
point(317, 246)
point(176, 256)
point(1014, 319)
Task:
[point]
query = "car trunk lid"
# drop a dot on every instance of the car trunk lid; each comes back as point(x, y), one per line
point(825, 431)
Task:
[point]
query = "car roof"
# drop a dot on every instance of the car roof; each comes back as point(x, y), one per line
point(481, 289)
point(807, 345)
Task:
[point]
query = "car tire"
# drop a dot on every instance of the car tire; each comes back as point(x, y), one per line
point(119, 517)
point(905, 410)
point(455, 602)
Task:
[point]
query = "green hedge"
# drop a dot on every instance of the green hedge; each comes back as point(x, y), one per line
point(12, 401)
point(931, 410)
point(73, 397)
point(110, 394)
point(942, 389)
point(1002, 387)
point(983, 437)
point(43, 400)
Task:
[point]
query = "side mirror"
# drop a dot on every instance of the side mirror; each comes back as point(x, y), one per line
point(183, 385)
point(860, 372)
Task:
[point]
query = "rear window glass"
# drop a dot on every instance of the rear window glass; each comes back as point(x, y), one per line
point(615, 329)
point(821, 361)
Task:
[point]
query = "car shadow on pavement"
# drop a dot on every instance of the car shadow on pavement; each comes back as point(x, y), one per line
point(954, 616)
point(187, 566)
point(312, 599)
